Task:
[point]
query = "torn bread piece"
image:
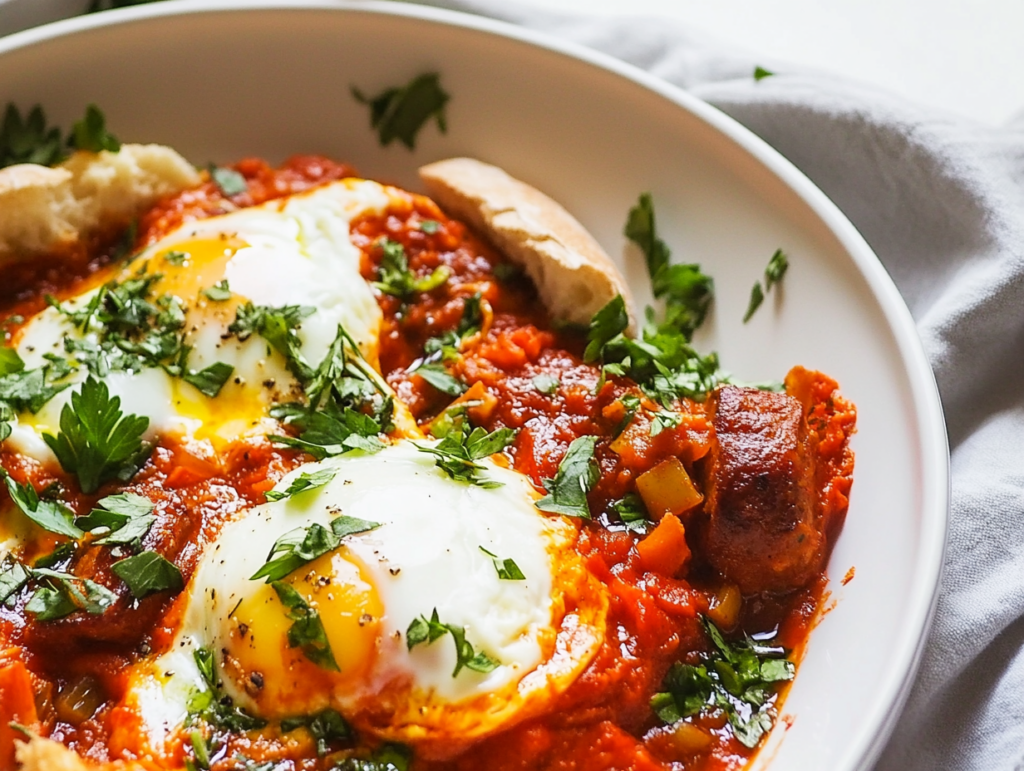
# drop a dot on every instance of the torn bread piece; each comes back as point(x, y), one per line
point(572, 273)
point(43, 209)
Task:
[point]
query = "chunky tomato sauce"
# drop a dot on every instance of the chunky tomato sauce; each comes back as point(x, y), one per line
point(64, 677)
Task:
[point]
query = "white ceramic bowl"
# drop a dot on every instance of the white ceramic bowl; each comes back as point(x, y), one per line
point(221, 80)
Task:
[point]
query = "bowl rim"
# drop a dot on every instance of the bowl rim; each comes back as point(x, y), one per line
point(929, 424)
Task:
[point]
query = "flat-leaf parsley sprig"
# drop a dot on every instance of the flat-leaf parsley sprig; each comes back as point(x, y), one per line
point(458, 452)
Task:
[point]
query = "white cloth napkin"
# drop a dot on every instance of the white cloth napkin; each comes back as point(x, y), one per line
point(941, 201)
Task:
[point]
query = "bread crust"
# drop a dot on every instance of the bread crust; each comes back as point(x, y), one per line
point(573, 275)
point(44, 210)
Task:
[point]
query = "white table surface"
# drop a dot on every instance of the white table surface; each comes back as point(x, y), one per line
point(965, 56)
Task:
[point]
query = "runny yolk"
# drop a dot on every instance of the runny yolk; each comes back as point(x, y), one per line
point(280, 678)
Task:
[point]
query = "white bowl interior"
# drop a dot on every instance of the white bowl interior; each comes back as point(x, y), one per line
point(222, 84)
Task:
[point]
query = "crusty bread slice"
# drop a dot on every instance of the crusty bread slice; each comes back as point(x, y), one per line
point(572, 273)
point(46, 209)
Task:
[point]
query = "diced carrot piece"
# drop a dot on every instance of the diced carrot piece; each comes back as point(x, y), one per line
point(664, 550)
point(18, 706)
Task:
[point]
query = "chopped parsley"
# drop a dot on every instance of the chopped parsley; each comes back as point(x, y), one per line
point(456, 454)
point(739, 678)
point(90, 133)
point(52, 516)
point(307, 630)
point(29, 139)
point(228, 181)
point(219, 292)
point(760, 73)
point(663, 420)
point(430, 226)
point(211, 380)
point(387, 757)
point(632, 513)
point(576, 476)
point(441, 379)
point(97, 442)
point(395, 278)
point(29, 389)
point(279, 327)
point(302, 545)
point(347, 410)
point(305, 481)
point(147, 573)
point(773, 273)
point(61, 594)
point(120, 520)
point(428, 630)
point(325, 726)
point(212, 705)
point(400, 112)
point(507, 568)
point(546, 384)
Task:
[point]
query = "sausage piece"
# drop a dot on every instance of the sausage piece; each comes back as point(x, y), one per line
point(764, 524)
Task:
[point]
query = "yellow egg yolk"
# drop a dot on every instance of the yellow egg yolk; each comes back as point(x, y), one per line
point(279, 677)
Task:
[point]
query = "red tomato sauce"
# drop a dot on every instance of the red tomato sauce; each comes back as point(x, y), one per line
point(601, 721)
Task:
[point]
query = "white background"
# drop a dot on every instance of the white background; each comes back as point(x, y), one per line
point(965, 56)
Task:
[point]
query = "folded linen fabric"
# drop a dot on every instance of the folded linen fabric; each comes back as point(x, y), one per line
point(941, 201)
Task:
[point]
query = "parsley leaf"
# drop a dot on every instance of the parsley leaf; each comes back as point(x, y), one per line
point(307, 630)
point(773, 273)
point(279, 327)
point(97, 442)
point(228, 181)
point(90, 133)
point(441, 379)
point(739, 678)
point(507, 568)
point(607, 324)
point(29, 140)
point(456, 454)
point(395, 278)
point(148, 572)
point(211, 380)
point(29, 389)
point(125, 518)
point(211, 704)
point(65, 594)
point(686, 290)
point(427, 630)
point(52, 516)
point(577, 474)
point(305, 481)
point(663, 420)
point(13, 578)
point(326, 726)
point(219, 292)
point(760, 73)
point(10, 362)
point(400, 112)
point(632, 513)
point(429, 226)
point(546, 384)
point(387, 757)
point(300, 546)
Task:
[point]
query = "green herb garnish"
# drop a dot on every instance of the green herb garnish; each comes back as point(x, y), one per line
point(395, 278)
point(148, 572)
point(211, 380)
point(400, 112)
point(219, 292)
point(90, 133)
point(387, 757)
point(546, 384)
point(305, 481)
point(97, 442)
point(507, 568)
point(62, 594)
point(456, 454)
point(760, 73)
point(773, 273)
point(120, 520)
point(307, 630)
point(228, 181)
point(428, 630)
point(29, 139)
point(52, 516)
point(326, 726)
point(212, 705)
point(576, 476)
point(302, 545)
point(739, 678)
